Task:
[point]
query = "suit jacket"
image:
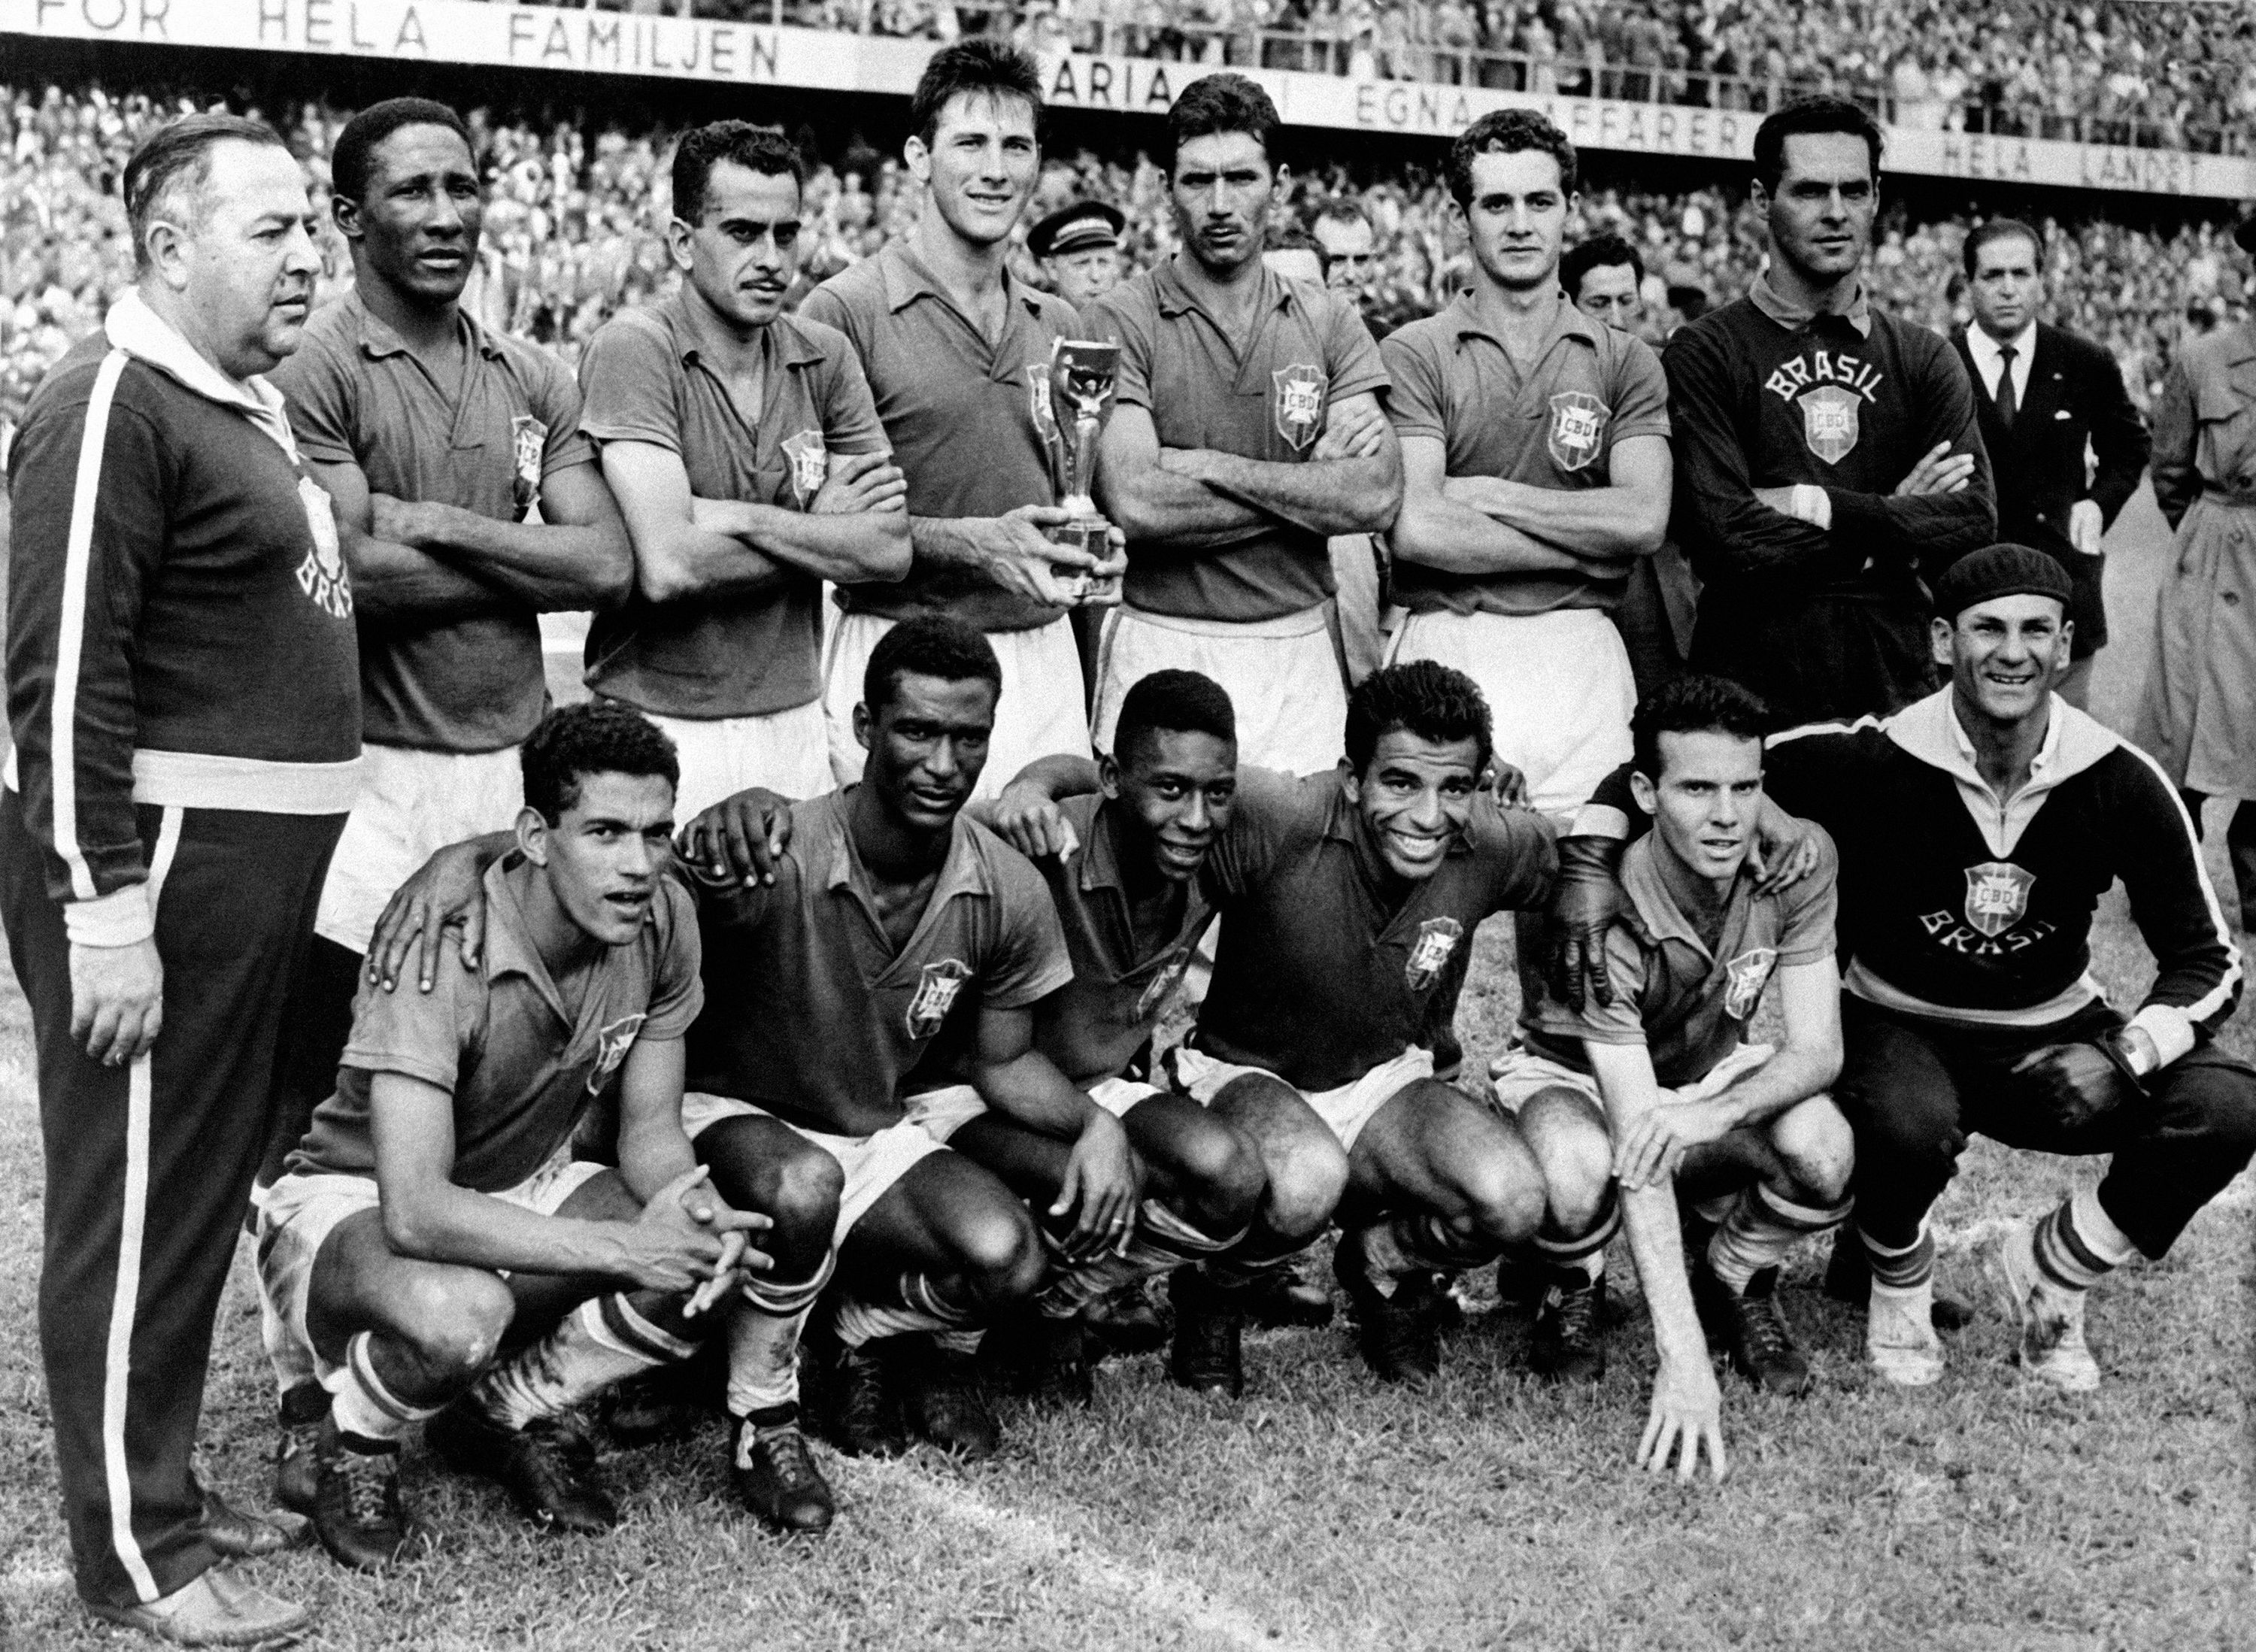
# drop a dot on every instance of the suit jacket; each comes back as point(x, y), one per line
point(2076, 394)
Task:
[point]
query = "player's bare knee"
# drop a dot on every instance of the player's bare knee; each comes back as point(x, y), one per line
point(453, 1321)
point(1000, 1255)
point(1504, 1199)
point(1818, 1149)
point(1222, 1175)
point(802, 1192)
point(1304, 1184)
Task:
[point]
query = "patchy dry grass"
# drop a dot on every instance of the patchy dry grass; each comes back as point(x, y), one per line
point(1323, 1513)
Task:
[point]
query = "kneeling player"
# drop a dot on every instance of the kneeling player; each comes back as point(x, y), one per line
point(434, 1211)
point(1348, 902)
point(1124, 879)
point(1744, 1131)
point(891, 918)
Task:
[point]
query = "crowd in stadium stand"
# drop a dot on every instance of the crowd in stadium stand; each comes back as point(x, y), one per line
point(2169, 75)
point(572, 234)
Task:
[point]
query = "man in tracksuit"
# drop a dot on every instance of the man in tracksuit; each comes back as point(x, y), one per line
point(1828, 458)
point(184, 697)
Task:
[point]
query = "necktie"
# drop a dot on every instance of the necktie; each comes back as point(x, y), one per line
point(2006, 408)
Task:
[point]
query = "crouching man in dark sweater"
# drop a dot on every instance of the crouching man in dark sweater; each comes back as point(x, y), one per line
point(1828, 458)
point(1977, 830)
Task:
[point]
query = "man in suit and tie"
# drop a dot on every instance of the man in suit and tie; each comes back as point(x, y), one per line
point(2050, 404)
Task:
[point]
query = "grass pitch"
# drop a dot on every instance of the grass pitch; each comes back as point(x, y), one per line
point(1323, 1512)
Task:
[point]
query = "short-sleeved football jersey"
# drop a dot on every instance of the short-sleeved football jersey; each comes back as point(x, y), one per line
point(1324, 968)
point(358, 395)
point(646, 378)
point(810, 1012)
point(1095, 1026)
point(1688, 1002)
point(523, 1061)
point(1265, 398)
point(1557, 426)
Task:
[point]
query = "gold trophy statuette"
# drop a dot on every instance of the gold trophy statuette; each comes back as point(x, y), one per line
point(1082, 377)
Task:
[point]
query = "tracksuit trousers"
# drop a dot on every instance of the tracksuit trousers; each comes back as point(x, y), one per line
point(149, 1167)
point(1914, 1090)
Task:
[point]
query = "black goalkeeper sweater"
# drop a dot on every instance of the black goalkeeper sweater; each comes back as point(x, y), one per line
point(1822, 622)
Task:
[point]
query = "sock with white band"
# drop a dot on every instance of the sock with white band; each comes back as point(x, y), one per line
point(1160, 1243)
point(2078, 1243)
point(1761, 1229)
point(762, 1328)
point(367, 1413)
point(602, 1342)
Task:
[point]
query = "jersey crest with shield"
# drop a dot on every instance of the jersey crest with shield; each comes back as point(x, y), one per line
point(1300, 403)
point(810, 464)
point(612, 1043)
point(1828, 421)
point(1744, 977)
point(528, 441)
point(1430, 954)
point(1578, 425)
point(1997, 895)
point(935, 995)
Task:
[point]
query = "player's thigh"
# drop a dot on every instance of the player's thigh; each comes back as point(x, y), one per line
point(543, 1298)
point(1897, 1088)
point(1433, 1146)
point(760, 1163)
point(1301, 1157)
point(360, 1282)
point(1032, 1165)
point(946, 1215)
point(1186, 1145)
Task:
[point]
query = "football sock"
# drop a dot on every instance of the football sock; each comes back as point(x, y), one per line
point(922, 1306)
point(1161, 1242)
point(1759, 1231)
point(2079, 1242)
point(364, 1407)
point(602, 1342)
point(1714, 1211)
point(1901, 1270)
point(1585, 1253)
point(762, 1328)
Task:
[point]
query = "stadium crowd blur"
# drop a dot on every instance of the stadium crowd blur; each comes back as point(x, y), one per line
point(2168, 73)
point(572, 234)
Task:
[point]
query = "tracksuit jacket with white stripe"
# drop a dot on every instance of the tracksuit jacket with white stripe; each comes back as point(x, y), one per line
point(194, 644)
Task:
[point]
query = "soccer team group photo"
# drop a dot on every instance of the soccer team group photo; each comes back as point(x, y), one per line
point(804, 844)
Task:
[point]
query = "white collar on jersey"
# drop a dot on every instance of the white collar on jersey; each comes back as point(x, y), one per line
point(134, 328)
point(1930, 730)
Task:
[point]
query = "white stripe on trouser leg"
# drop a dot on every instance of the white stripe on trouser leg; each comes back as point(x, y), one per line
point(70, 633)
point(118, 1359)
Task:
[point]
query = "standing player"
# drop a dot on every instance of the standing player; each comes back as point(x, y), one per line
point(2047, 396)
point(435, 1208)
point(958, 357)
point(890, 919)
point(1660, 1088)
point(1349, 901)
point(1536, 473)
point(1827, 455)
point(750, 466)
point(435, 437)
point(184, 701)
point(1246, 430)
point(1604, 279)
point(1122, 862)
point(1978, 830)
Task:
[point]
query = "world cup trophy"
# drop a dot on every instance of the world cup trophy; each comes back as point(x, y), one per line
point(1082, 377)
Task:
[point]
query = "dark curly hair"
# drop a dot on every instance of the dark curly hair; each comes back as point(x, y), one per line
point(755, 148)
point(1693, 703)
point(984, 66)
point(354, 157)
point(596, 736)
point(1508, 132)
point(1599, 252)
point(1177, 701)
point(1806, 115)
point(1223, 103)
point(929, 646)
point(1426, 698)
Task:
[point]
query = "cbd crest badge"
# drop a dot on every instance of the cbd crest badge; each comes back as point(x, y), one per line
point(1429, 955)
point(1997, 895)
point(810, 464)
point(528, 439)
point(321, 573)
point(1744, 977)
point(935, 995)
point(1300, 403)
point(612, 1043)
point(1828, 421)
point(1578, 424)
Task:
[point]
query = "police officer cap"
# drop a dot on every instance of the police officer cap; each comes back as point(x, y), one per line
point(1076, 229)
point(2001, 570)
